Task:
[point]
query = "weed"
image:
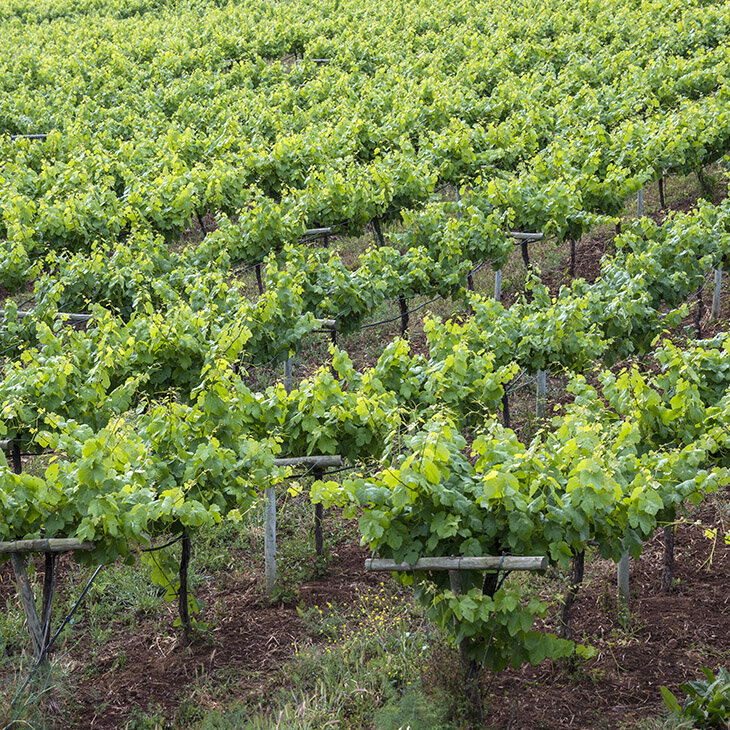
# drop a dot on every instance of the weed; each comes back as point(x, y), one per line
point(413, 711)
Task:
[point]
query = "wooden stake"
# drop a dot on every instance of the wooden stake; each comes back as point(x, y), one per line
point(640, 203)
point(378, 232)
point(623, 580)
point(49, 586)
point(662, 201)
point(525, 254)
point(70, 316)
point(318, 515)
point(321, 462)
point(25, 593)
point(572, 258)
point(183, 590)
point(717, 293)
point(288, 375)
point(505, 410)
point(259, 280)
point(541, 399)
point(576, 578)
point(498, 285)
point(700, 313)
point(455, 585)
point(270, 540)
point(668, 568)
point(403, 304)
point(17, 463)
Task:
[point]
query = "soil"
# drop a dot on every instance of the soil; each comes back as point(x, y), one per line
point(668, 638)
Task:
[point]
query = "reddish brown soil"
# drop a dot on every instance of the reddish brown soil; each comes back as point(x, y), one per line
point(247, 634)
point(670, 636)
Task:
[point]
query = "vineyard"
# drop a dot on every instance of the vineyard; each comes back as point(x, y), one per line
point(285, 286)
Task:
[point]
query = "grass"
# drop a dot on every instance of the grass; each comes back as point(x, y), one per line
point(362, 668)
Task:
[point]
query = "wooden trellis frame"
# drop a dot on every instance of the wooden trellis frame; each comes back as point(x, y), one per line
point(39, 628)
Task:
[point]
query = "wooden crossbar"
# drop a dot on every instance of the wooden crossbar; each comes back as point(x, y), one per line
point(327, 324)
point(505, 562)
point(71, 316)
point(520, 236)
point(319, 462)
point(50, 545)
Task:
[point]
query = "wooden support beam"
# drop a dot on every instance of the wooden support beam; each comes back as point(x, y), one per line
point(71, 316)
point(50, 545)
point(40, 136)
point(328, 324)
point(318, 231)
point(505, 562)
point(521, 236)
point(317, 462)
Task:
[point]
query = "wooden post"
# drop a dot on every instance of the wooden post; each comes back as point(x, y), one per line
point(317, 464)
point(662, 201)
point(270, 539)
point(571, 271)
point(25, 592)
point(455, 585)
point(498, 285)
point(640, 203)
point(49, 586)
point(525, 254)
point(576, 578)
point(182, 595)
point(17, 463)
point(288, 375)
point(668, 568)
point(505, 410)
point(700, 313)
point(378, 231)
point(717, 293)
point(403, 304)
point(259, 280)
point(623, 581)
point(318, 515)
point(541, 400)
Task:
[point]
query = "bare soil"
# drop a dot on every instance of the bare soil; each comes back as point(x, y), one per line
point(243, 655)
